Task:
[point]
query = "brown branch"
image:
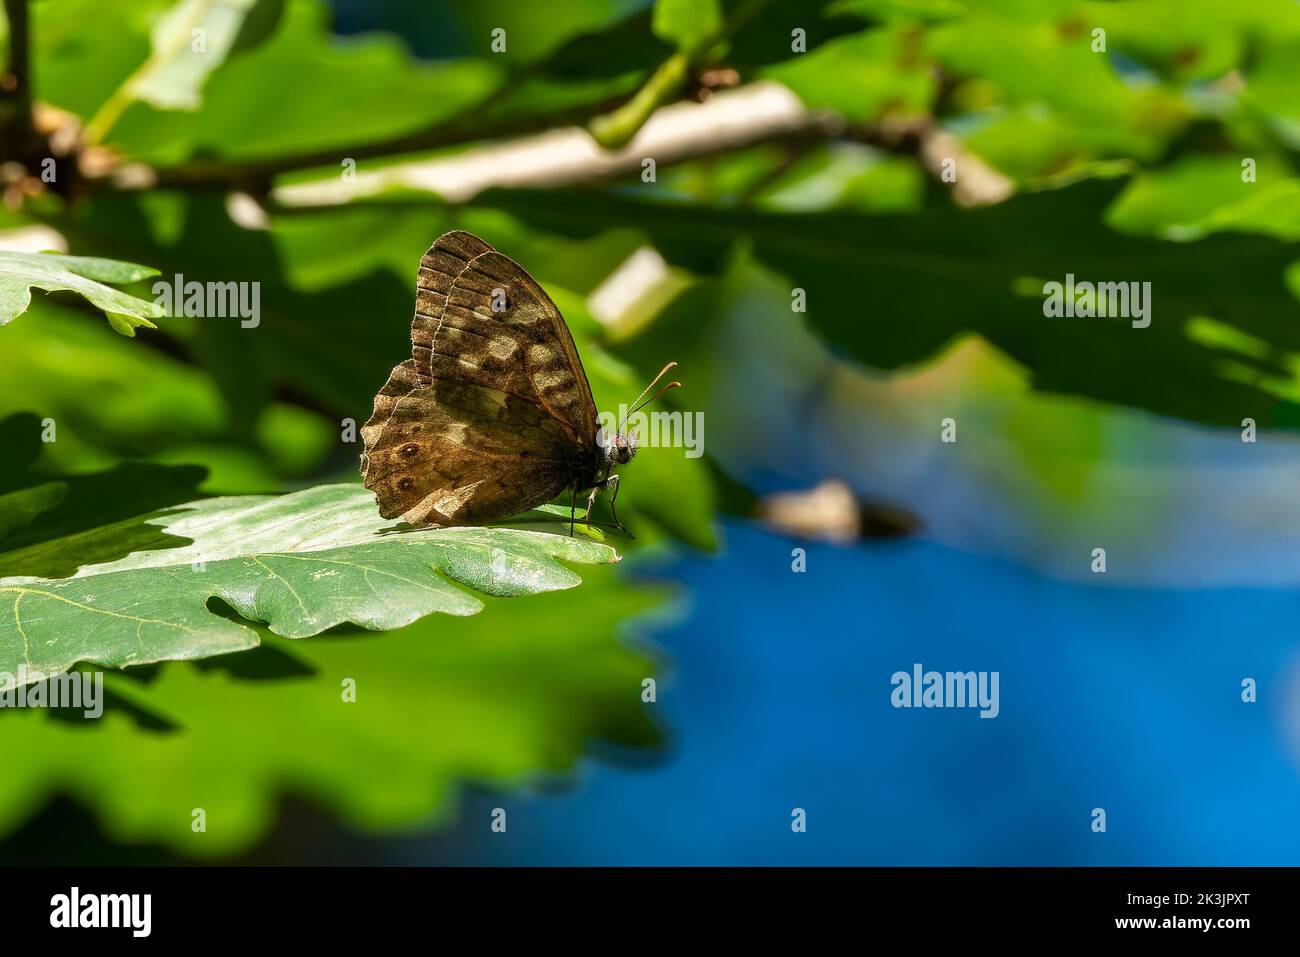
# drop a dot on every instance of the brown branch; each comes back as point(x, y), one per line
point(16, 82)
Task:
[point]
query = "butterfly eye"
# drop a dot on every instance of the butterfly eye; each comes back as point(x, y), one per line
point(405, 483)
point(410, 451)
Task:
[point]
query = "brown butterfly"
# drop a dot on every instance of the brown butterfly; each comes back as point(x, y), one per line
point(493, 414)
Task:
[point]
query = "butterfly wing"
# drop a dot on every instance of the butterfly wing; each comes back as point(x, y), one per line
point(493, 414)
point(480, 317)
point(440, 267)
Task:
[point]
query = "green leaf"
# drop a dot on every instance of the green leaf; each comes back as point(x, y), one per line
point(535, 32)
point(179, 70)
point(1201, 39)
point(188, 43)
point(861, 76)
point(1202, 194)
point(366, 88)
point(68, 47)
point(20, 272)
point(20, 508)
point(302, 563)
point(915, 10)
point(494, 699)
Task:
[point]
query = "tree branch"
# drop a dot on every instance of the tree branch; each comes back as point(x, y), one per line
point(256, 175)
point(762, 113)
point(750, 115)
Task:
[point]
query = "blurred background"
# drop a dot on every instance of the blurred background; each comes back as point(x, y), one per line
point(842, 237)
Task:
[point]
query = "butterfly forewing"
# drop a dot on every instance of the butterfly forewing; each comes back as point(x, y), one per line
point(493, 414)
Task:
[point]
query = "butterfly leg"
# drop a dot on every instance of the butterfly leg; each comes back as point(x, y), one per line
point(573, 501)
point(612, 482)
point(609, 483)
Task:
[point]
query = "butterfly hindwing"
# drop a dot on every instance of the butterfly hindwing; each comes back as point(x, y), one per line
point(458, 453)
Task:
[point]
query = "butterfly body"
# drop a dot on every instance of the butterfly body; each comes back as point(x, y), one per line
point(492, 415)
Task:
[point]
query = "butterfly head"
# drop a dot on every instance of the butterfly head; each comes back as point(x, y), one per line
point(617, 449)
point(623, 449)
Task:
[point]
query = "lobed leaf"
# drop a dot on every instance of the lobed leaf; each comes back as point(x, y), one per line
point(302, 563)
point(84, 275)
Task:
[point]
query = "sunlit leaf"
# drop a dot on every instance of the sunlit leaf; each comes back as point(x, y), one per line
point(84, 275)
point(302, 563)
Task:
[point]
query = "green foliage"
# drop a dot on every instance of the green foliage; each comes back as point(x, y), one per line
point(1169, 156)
point(862, 75)
point(497, 699)
point(84, 275)
point(984, 270)
point(114, 399)
point(302, 563)
point(189, 42)
point(387, 94)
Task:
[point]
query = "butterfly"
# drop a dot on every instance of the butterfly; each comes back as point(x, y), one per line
point(492, 415)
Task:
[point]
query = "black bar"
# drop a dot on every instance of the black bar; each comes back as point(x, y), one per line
point(331, 905)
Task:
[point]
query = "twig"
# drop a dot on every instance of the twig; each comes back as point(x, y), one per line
point(615, 129)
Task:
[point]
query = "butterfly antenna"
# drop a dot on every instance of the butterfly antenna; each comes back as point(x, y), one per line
point(671, 385)
point(662, 373)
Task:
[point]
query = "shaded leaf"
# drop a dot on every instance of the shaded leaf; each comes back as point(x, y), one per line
point(51, 525)
point(112, 400)
point(891, 290)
